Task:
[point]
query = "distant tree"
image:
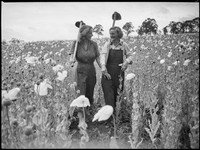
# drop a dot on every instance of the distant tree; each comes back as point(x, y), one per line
point(176, 27)
point(98, 29)
point(165, 30)
point(148, 26)
point(128, 28)
point(196, 24)
point(4, 42)
point(14, 41)
point(188, 26)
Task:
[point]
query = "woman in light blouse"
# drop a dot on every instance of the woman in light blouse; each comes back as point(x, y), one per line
point(115, 58)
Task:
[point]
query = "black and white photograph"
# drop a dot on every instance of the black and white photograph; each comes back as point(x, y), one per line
point(100, 75)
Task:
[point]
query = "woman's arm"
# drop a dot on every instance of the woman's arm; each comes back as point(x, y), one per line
point(98, 61)
point(128, 53)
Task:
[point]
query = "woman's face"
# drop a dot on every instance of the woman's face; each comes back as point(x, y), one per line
point(89, 34)
point(113, 34)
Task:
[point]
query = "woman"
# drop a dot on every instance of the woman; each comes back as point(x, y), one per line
point(115, 57)
point(87, 53)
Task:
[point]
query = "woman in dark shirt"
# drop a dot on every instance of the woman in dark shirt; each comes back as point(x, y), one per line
point(87, 53)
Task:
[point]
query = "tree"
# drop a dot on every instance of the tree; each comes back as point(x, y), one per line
point(188, 26)
point(148, 26)
point(98, 29)
point(4, 42)
point(128, 28)
point(176, 27)
point(165, 30)
point(196, 24)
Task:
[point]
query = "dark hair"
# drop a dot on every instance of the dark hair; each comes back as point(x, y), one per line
point(119, 31)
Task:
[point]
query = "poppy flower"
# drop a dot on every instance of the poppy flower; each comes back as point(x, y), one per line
point(169, 54)
point(130, 76)
point(175, 63)
point(113, 143)
point(80, 101)
point(169, 68)
point(104, 113)
point(58, 68)
point(61, 76)
point(162, 61)
point(42, 88)
point(12, 94)
point(31, 60)
point(186, 62)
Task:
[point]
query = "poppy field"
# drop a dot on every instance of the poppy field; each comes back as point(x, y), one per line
point(159, 107)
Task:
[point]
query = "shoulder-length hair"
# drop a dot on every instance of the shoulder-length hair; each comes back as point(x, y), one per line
point(84, 31)
point(118, 30)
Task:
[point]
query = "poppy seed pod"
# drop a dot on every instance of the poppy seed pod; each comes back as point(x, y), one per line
point(41, 76)
point(28, 131)
point(7, 102)
point(18, 84)
point(38, 82)
point(14, 122)
point(29, 109)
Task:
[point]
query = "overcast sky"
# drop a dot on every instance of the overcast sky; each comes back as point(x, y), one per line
point(34, 21)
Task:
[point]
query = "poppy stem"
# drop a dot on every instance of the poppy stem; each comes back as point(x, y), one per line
point(7, 111)
point(83, 113)
point(115, 130)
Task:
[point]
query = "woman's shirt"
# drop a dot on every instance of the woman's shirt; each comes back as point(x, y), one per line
point(86, 55)
point(127, 55)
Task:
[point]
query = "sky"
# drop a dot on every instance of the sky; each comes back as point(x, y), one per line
point(35, 21)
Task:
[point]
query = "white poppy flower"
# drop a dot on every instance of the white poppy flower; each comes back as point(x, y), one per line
point(31, 60)
point(130, 76)
point(196, 62)
point(47, 60)
point(12, 94)
point(169, 54)
point(3, 93)
point(18, 60)
point(186, 62)
point(12, 61)
point(169, 68)
point(104, 113)
point(175, 63)
point(45, 55)
point(61, 76)
point(62, 50)
point(80, 101)
point(42, 89)
point(58, 68)
point(162, 61)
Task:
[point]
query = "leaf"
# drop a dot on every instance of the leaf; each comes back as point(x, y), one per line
point(156, 129)
point(138, 144)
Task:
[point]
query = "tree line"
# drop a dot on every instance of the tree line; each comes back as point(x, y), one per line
point(150, 26)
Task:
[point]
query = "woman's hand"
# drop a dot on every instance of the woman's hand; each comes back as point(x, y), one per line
point(124, 65)
point(72, 61)
point(105, 73)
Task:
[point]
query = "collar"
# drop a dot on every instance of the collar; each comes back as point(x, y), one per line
point(120, 42)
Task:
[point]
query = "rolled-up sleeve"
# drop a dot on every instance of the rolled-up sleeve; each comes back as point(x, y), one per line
point(128, 53)
point(104, 52)
point(72, 48)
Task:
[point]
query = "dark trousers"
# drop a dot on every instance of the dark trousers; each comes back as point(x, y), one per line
point(86, 80)
point(110, 87)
